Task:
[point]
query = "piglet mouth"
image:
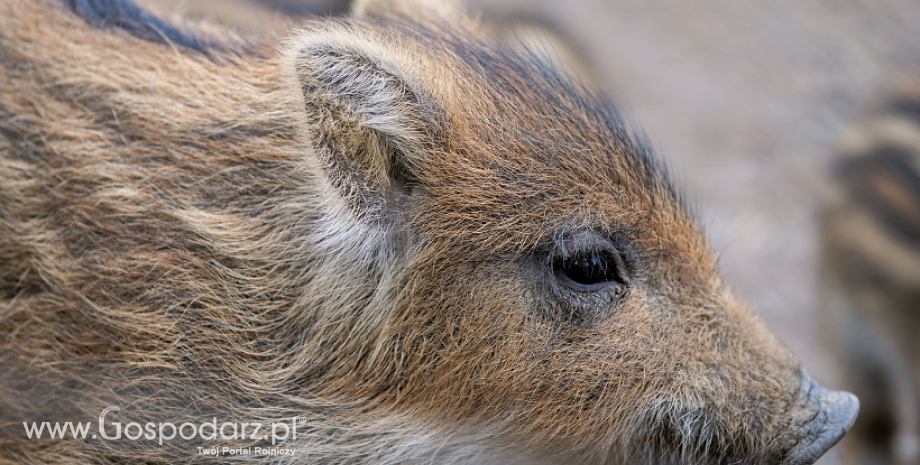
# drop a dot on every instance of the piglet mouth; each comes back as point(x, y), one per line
point(822, 418)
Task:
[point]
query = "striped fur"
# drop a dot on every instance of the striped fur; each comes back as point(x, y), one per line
point(871, 261)
point(365, 231)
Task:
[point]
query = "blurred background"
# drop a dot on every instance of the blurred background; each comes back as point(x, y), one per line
point(746, 100)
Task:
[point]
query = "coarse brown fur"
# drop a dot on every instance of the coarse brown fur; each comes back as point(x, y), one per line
point(362, 232)
point(871, 270)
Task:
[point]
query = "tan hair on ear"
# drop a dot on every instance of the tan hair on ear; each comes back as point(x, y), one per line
point(423, 11)
point(368, 111)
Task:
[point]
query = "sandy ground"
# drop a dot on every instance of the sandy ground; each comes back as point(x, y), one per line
point(744, 99)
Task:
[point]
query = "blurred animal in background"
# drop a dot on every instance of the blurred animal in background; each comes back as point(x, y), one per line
point(871, 274)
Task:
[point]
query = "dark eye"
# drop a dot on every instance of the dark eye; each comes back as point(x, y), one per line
point(592, 269)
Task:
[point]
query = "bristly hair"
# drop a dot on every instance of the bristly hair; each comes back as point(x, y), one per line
point(521, 74)
point(565, 95)
point(176, 238)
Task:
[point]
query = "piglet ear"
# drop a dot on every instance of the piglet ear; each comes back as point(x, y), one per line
point(367, 115)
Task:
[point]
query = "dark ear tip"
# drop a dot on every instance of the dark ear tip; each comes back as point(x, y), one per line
point(89, 10)
point(126, 15)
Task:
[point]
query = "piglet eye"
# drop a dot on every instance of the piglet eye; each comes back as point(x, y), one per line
point(593, 268)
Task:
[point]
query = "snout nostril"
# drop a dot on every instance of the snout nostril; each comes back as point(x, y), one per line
point(828, 415)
